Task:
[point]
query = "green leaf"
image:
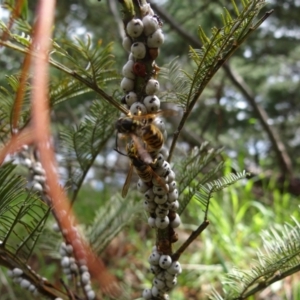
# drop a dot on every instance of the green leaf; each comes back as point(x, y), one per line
point(110, 219)
point(191, 172)
point(279, 258)
point(22, 214)
point(219, 47)
point(82, 144)
point(92, 61)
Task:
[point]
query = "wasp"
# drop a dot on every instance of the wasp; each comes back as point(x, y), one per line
point(142, 127)
point(144, 170)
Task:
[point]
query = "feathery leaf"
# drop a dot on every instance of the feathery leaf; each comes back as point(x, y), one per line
point(22, 214)
point(88, 60)
point(215, 51)
point(7, 101)
point(280, 258)
point(191, 170)
point(82, 144)
point(177, 93)
point(110, 220)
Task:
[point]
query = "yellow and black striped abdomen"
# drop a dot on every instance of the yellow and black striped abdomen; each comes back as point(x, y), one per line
point(152, 137)
point(143, 170)
point(145, 173)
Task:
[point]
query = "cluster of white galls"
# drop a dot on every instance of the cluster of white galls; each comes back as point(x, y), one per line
point(158, 201)
point(67, 262)
point(165, 271)
point(39, 178)
point(69, 265)
point(161, 202)
point(38, 172)
point(70, 268)
point(17, 276)
point(150, 28)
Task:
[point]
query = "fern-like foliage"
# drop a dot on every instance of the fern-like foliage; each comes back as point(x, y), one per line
point(193, 180)
point(204, 195)
point(112, 216)
point(222, 44)
point(91, 61)
point(22, 215)
point(22, 8)
point(22, 219)
point(7, 95)
point(191, 172)
point(205, 192)
point(279, 259)
point(65, 88)
point(89, 65)
point(178, 89)
point(213, 54)
point(4, 117)
point(110, 220)
point(82, 144)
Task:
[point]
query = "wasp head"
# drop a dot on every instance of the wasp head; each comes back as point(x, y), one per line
point(126, 125)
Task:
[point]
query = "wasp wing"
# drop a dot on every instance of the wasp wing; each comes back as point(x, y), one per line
point(143, 154)
point(152, 116)
point(127, 181)
point(160, 181)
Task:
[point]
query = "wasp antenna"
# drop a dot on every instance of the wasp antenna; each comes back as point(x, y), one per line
point(120, 152)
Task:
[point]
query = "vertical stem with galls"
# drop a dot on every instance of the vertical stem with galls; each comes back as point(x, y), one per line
point(143, 38)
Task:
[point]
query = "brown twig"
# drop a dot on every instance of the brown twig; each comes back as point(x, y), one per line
point(190, 239)
point(262, 285)
point(112, 5)
point(92, 85)
point(278, 146)
point(24, 137)
point(15, 14)
point(16, 11)
point(41, 125)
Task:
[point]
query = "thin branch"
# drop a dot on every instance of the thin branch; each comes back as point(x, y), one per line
point(16, 12)
point(41, 125)
point(191, 104)
point(71, 73)
point(262, 285)
point(175, 25)
point(23, 137)
point(238, 82)
point(69, 292)
point(220, 59)
point(112, 5)
point(278, 145)
point(190, 239)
